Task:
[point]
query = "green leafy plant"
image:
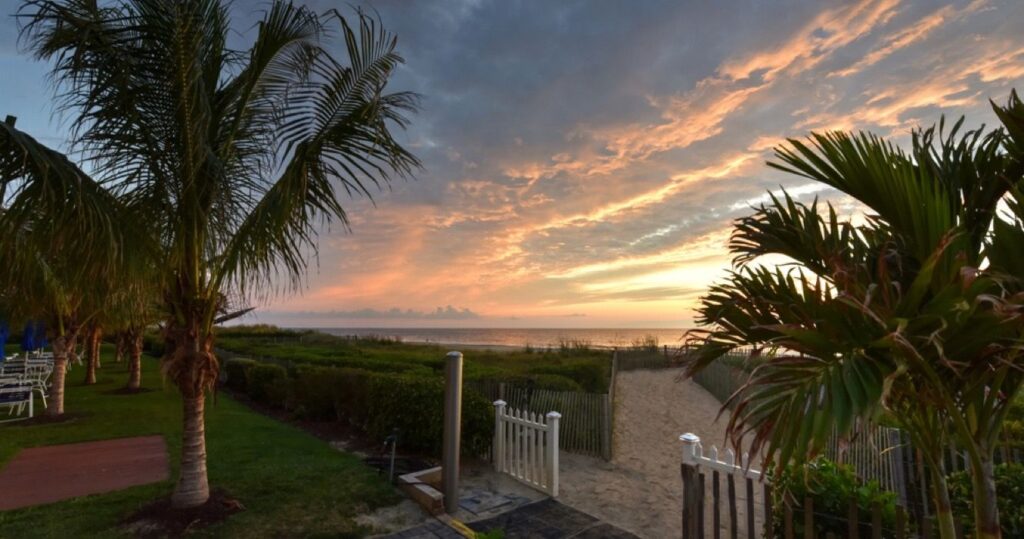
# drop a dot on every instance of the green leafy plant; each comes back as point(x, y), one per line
point(1009, 486)
point(913, 313)
point(832, 487)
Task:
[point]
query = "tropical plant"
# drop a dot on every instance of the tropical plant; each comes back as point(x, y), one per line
point(228, 160)
point(916, 311)
point(59, 242)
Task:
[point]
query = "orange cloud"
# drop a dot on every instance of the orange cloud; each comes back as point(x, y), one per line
point(826, 33)
point(909, 35)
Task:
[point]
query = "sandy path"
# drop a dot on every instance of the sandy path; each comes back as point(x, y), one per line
point(641, 489)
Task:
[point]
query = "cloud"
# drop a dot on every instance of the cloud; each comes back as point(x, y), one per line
point(825, 34)
point(910, 34)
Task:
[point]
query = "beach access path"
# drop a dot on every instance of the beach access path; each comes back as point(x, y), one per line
point(640, 490)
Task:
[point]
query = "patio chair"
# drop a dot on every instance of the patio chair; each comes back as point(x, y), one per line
point(16, 396)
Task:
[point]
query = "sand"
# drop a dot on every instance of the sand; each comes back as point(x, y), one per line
point(640, 490)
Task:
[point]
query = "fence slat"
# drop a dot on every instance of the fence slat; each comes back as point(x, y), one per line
point(876, 521)
point(809, 518)
point(851, 519)
point(731, 484)
point(716, 510)
point(751, 530)
point(788, 520)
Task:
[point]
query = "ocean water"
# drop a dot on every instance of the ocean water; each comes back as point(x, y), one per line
point(537, 338)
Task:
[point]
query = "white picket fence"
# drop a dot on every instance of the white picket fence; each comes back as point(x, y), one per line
point(526, 446)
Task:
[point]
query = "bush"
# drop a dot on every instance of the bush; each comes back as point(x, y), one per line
point(377, 403)
point(592, 377)
point(415, 406)
point(236, 373)
point(1010, 498)
point(832, 486)
point(267, 383)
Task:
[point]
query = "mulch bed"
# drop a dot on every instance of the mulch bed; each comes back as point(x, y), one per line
point(159, 519)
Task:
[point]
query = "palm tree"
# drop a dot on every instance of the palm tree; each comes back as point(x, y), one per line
point(914, 314)
point(60, 246)
point(229, 159)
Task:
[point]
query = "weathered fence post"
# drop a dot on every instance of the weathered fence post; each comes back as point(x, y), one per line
point(606, 434)
point(499, 436)
point(552, 448)
point(452, 431)
point(691, 486)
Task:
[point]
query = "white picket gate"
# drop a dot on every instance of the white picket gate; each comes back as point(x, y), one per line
point(526, 446)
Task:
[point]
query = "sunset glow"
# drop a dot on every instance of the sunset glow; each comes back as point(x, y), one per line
point(584, 161)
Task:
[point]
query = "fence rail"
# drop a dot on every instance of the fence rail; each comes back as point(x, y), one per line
point(747, 505)
point(586, 421)
point(526, 446)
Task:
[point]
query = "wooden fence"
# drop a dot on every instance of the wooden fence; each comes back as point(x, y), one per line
point(586, 422)
point(526, 446)
point(745, 508)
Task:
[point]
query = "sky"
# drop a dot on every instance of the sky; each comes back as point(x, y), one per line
point(583, 160)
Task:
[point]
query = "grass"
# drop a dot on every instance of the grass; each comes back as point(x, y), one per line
point(291, 483)
point(570, 367)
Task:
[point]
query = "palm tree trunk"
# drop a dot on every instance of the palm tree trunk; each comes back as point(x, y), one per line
point(97, 340)
point(135, 362)
point(90, 356)
point(193, 487)
point(55, 404)
point(120, 347)
point(986, 512)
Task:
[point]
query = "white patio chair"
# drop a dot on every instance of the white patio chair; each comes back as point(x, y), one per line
point(16, 396)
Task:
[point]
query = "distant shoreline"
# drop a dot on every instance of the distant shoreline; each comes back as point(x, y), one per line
point(516, 339)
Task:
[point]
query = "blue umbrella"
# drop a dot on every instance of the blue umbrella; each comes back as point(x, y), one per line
point(40, 336)
point(28, 339)
point(5, 331)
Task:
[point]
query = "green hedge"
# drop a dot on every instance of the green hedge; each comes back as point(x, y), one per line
point(236, 373)
point(592, 377)
point(373, 402)
point(267, 383)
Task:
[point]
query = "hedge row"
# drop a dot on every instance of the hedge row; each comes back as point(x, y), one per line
point(373, 402)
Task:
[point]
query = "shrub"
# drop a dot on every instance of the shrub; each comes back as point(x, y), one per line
point(553, 382)
point(377, 403)
point(236, 373)
point(832, 486)
point(267, 383)
point(415, 406)
point(592, 377)
point(1010, 498)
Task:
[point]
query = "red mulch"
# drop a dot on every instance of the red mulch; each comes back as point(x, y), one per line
point(158, 519)
point(53, 473)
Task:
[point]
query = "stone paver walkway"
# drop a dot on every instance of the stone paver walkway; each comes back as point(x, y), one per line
point(546, 519)
point(57, 472)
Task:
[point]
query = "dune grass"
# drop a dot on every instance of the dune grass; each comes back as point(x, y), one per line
point(570, 367)
point(292, 484)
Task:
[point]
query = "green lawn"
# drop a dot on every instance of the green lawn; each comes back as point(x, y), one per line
point(292, 484)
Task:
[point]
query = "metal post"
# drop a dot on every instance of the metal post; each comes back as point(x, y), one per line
point(691, 486)
point(499, 436)
point(452, 431)
point(552, 456)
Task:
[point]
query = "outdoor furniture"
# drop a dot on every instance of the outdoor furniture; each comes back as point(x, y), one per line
point(16, 396)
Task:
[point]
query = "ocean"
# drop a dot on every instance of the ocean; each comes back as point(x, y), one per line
point(536, 338)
